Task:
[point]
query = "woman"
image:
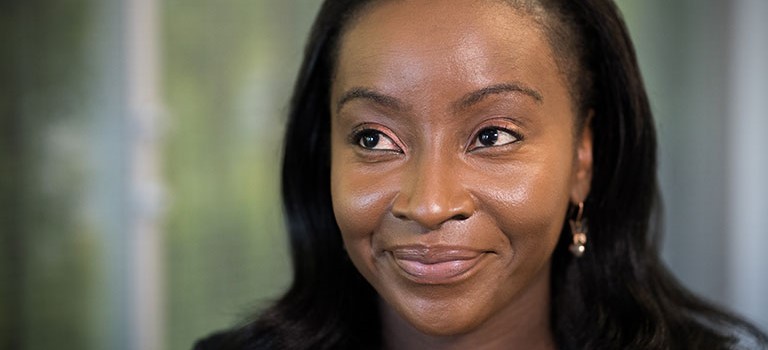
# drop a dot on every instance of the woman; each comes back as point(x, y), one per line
point(475, 174)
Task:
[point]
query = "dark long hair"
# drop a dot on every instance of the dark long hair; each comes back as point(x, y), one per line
point(619, 295)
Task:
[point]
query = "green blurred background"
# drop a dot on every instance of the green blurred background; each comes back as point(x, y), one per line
point(140, 149)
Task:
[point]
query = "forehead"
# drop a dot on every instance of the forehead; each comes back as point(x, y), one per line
point(413, 44)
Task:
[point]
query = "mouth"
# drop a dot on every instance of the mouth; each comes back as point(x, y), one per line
point(436, 265)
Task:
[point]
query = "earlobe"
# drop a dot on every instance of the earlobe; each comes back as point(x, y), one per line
point(583, 171)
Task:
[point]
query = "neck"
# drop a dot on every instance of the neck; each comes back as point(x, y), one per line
point(523, 324)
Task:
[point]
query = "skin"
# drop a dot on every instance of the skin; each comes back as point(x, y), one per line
point(453, 227)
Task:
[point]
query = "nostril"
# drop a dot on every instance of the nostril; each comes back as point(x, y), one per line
point(459, 217)
point(400, 216)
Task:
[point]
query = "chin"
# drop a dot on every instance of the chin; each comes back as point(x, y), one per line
point(441, 318)
point(444, 327)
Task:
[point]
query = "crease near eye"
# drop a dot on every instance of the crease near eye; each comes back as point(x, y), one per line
point(374, 140)
point(494, 137)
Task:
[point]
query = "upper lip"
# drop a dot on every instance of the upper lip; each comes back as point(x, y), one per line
point(434, 254)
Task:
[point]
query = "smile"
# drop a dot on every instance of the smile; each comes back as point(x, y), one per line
point(437, 265)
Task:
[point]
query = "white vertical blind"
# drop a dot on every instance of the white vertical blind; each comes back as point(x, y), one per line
point(145, 195)
point(747, 161)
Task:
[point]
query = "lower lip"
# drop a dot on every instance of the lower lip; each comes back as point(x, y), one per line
point(444, 272)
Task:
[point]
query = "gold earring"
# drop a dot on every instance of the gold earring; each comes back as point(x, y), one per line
point(579, 231)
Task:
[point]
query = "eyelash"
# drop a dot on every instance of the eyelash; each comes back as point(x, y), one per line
point(476, 138)
point(358, 135)
point(356, 138)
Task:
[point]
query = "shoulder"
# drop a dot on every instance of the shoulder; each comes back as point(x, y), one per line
point(234, 339)
point(255, 337)
point(213, 341)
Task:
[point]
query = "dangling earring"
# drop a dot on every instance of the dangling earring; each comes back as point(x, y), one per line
point(579, 231)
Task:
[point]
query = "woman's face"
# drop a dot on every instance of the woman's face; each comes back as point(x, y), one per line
point(454, 158)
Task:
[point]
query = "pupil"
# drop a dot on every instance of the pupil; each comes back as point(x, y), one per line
point(489, 137)
point(370, 140)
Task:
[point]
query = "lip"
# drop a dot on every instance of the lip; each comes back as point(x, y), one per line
point(436, 265)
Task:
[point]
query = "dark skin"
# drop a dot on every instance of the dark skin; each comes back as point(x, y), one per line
point(455, 156)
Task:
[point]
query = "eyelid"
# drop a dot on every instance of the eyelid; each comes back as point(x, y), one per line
point(501, 124)
point(357, 132)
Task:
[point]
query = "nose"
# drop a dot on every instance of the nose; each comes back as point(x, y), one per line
point(432, 193)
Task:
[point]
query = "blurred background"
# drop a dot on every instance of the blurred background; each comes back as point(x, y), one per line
point(140, 146)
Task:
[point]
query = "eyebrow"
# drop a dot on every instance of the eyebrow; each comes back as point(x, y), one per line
point(476, 96)
point(467, 101)
point(368, 94)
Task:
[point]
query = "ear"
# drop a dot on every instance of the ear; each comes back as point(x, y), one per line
point(582, 172)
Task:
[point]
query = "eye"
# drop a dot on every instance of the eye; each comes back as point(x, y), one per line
point(493, 137)
point(375, 140)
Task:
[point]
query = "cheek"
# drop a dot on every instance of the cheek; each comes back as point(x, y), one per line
point(360, 201)
point(529, 202)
